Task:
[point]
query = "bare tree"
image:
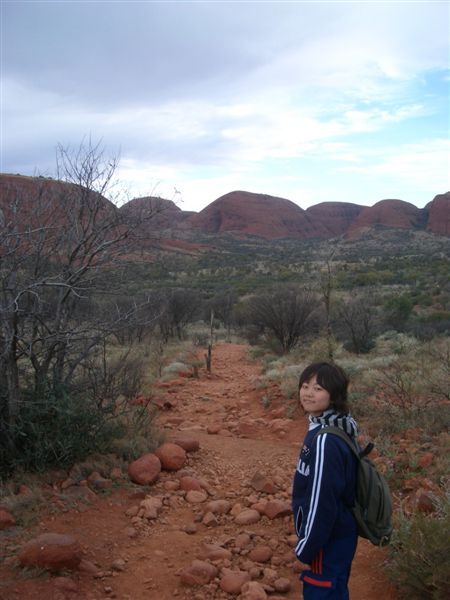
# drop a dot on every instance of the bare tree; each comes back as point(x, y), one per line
point(326, 287)
point(179, 307)
point(223, 304)
point(58, 237)
point(285, 313)
point(357, 320)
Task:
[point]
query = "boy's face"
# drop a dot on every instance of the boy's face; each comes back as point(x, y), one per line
point(313, 397)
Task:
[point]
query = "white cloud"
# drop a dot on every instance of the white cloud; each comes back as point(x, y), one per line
point(424, 166)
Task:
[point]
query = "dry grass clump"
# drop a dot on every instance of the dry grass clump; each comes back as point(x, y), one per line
point(419, 562)
point(23, 503)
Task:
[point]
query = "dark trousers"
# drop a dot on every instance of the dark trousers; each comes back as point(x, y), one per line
point(330, 571)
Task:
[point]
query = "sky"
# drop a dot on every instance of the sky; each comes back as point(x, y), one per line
point(312, 101)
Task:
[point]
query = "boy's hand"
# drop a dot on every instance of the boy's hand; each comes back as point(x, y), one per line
point(304, 566)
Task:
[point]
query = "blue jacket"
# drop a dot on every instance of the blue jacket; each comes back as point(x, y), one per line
point(323, 492)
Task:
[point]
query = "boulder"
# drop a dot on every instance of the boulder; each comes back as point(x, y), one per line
point(51, 551)
point(172, 456)
point(199, 572)
point(261, 553)
point(252, 590)
point(231, 582)
point(145, 470)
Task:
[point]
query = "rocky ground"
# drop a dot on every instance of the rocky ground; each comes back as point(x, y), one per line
point(215, 524)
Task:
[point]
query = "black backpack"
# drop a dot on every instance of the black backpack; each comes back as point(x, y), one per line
point(373, 505)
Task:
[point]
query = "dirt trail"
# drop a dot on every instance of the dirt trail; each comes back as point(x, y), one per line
point(250, 439)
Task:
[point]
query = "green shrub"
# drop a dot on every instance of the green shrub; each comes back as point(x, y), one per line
point(57, 431)
point(419, 562)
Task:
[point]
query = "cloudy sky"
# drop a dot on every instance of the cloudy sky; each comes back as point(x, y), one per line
point(310, 101)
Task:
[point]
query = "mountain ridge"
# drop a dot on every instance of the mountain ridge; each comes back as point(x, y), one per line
point(241, 214)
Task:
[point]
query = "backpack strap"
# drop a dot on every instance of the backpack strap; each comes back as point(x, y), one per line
point(347, 439)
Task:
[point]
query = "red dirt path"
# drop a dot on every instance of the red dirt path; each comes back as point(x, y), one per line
point(227, 461)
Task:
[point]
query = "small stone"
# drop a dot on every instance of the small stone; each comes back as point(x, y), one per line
point(231, 582)
point(199, 572)
point(247, 517)
point(282, 585)
point(195, 497)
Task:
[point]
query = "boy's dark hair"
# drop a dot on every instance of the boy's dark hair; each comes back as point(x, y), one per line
point(333, 379)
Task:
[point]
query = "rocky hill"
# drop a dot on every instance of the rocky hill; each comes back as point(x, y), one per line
point(164, 213)
point(439, 214)
point(243, 214)
point(269, 217)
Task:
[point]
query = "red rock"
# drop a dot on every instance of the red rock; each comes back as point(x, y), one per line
point(256, 214)
point(439, 214)
point(51, 551)
point(260, 506)
point(68, 483)
point(424, 502)
point(87, 566)
point(214, 428)
point(164, 213)
point(210, 520)
point(247, 517)
point(277, 508)
point(261, 553)
point(150, 507)
point(388, 213)
point(172, 456)
point(99, 482)
point(282, 585)
point(199, 572)
point(6, 519)
point(232, 581)
point(242, 540)
point(187, 443)
point(215, 552)
point(252, 590)
point(190, 483)
point(335, 216)
point(426, 459)
point(219, 507)
point(145, 470)
point(261, 483)
point(195, 497)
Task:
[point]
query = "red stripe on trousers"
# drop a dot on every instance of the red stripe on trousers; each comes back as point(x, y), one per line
point(312, 581)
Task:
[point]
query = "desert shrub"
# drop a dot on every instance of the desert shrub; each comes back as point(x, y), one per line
point(24, 507)
point(419, 562)
point(283, 315)
point(140, 434)
point(55, 431)
point(289, 388)
point(397, 311)
point(173, 369)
